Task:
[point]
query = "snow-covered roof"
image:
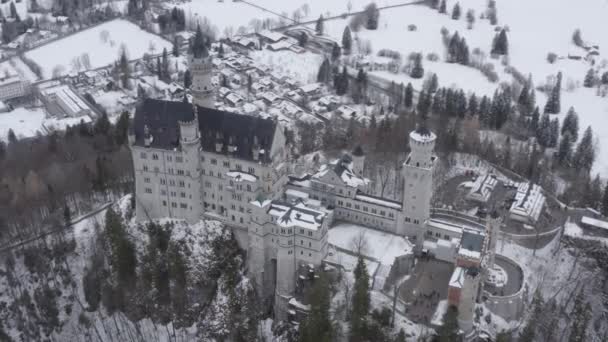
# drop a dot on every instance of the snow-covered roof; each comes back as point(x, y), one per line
point(457, 278)
point(67, 97)
point(311, 87)
point(241, 176)
point(299, 215)
point(379, 201)
point(295, 303)
point(272, 35)
point(529, 202)
point(594, 222)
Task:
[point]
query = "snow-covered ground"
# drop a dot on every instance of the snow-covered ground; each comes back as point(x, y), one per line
point(24, 122)
point(16, 66)
point(534, 29)
point(102, 44)
point(382, 246)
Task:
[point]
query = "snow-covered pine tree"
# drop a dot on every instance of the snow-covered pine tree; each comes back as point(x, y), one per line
point(347, 40)
point(409, 95)
point(319, 27)
point(442, 7)
point(418, 69)
point(554, 133)
point(473, 106)
point(570, 124)
point(456, 11)
point(470, 19)
point(584, 157)
point(589, 81)
point(564, 152)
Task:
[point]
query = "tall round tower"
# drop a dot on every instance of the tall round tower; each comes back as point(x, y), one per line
point(201, 69)
point(417, 176)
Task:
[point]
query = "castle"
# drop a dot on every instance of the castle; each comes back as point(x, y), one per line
point(193, 162)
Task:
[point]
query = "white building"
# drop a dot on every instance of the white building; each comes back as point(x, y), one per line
point(192, 162)
point(12, 86)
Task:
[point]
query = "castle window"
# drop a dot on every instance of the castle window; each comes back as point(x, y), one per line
point(173, 205)
point(172, 182)
point(365, 208)
point(309, 244)
point(146, 180)
point(173, 193)
point(309, 233)
point(383, 213)
point(251, 170)
point(182, 184)
point(169, 158)
point(148, 190)
point(301, 252)
point(183, 205)
point(301, 231)
point(213, 161)
point(302, 242)
point(143, 155)
point(145, 167)
point(407, 219)
point(357, 206)
point(374, 211)
point(391, 215)
point(164, 203)
point(447, 237)
point(183, 195)
point(416, 221)
point(180, 172)
point(179, 159)
point(248, 187)
point(203, 171)
point(238, 167)
point(154, 156)
point(227, 164)
point(310, 254)
point(170, 170)
point(348, 205)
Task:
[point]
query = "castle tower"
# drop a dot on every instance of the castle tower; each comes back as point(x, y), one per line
point(358, 160)
point(190, 141)
point(201, 69)
point(417, 173)
point(468, 298)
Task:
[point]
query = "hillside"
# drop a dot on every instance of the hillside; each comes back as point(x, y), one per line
point(71, 287)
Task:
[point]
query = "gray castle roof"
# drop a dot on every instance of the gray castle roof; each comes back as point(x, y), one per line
point(162, 121)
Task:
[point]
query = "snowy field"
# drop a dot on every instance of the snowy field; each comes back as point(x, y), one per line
point(531, 36)
point(384, 247)
point(101, 44)
point(312, 9)
point(24, 122)
point(302, 67)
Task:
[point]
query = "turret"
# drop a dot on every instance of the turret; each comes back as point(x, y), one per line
point(358, 160)
point(201, 68)
point(188, 130)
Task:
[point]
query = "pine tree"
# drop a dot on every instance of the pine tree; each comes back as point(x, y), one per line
point(317, 326)
point(528, 334)
point(417, 70)
point(433, 84)
point(335, 52)
point(605, 201)
point(553, 105)
point(456, 12)
point(554, 133)
point(524, 99)
point(581, 314)
point(12, 138)
point(453, 48)
point(122, 128)
point(102, 125)
point(372, 15)
point(175, 48)
point(166, 75)
point(589, 81)
point(585, 152)
point(198, 46)
point(442, 7)
point(303, 39)
point(13, 10)
point(433, 4)
point(449, 331)
point(67, 215)
point(324, 74)
point(564, 152)
point(473, 107)
point(570, 124)
point(347, 40)
point(360, 301)
point(408, 98)
point(543, 131)
point(500, 45)
point(577, 39)
point(439, 106)
point(187, 79)
point(470, 18)
point(319, 26)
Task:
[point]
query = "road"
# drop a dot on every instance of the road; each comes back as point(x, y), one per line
point(13, 245)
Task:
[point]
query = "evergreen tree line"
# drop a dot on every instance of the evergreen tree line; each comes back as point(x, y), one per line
point(172, 21)
point(458, 50)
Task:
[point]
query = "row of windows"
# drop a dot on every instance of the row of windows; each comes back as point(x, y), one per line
point(178, 159)
point(226, 164)
point(365, 209)
point(174, 205)
point(170, 170)
point(437, 235)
